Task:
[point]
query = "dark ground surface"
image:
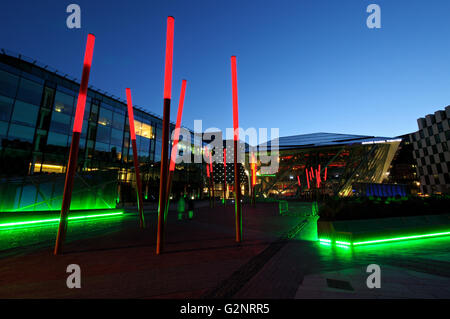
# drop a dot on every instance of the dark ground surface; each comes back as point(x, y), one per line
point(278, 258)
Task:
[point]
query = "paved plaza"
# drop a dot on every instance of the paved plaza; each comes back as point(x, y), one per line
point(279, 258)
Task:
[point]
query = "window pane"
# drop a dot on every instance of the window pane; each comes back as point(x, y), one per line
point(60, 123)
point(103, 134)
point(3, 128)
point(48, 98)
point(94, 113)
point(158, 151)
point(8, 84)
point(84, 129)
point(6, 106)
point(117, 138)
point(30, 92)
point(24, 133)
point(105, 117)
point(116, 152)
point(57, 139)
point(144, 146)
point(101, 147)
point(118, 121)
point(25, 113)
point(146, 130)
point(64, 103)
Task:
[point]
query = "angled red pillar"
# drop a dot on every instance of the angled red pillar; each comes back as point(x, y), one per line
point(208, 175)
point(237, 186)
point(135, 159)
point(298, 180)
point(212, 179)
point(174, 153)
point(165, 134)
point(325, 176)
point(307, 178)
point(319, 179)
point(73, 155)
point(253, 183)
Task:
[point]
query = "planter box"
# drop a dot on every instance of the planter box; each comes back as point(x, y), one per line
point(363, 230)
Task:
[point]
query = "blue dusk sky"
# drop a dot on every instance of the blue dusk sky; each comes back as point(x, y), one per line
point(304, 66)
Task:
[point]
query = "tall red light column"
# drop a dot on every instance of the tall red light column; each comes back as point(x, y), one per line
point(135, 159)
point(209, 184)
point(76, 133)
point(225, 176)
point(212, 179)
point(307, 177)
point(237, 186)
point(176, 138)
point(165, 134)
point(253, 183)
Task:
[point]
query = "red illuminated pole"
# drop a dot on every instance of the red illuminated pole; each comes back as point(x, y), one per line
point(319, 180)
point(237, 186)
point(209, 184)
point(307, 178)
point(176, 138)
point(212, 179)
point(135, 159)
point(73, 155)
point(208, 175)
point(225, 176)
point(253, 183)
point(165, 134)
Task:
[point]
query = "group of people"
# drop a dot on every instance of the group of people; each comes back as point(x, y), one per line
point(182, 208)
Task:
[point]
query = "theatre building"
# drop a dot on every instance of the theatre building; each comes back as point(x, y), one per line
point(331, 164)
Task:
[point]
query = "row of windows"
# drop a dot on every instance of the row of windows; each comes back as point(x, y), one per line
point(34, 111)
point(19, 104)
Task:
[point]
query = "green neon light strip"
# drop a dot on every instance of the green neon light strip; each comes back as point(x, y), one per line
point(343, 243)
point(41, 221)
point(400, 238)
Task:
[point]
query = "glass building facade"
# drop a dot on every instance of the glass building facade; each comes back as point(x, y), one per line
point(37, 108)
point(344, 161)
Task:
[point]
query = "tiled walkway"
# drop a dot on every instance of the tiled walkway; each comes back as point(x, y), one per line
point(201, 260)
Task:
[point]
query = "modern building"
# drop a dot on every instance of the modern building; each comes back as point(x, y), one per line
point(327, 163)
point(431, 145)
point(223, 175)
point(403, 168)
point(37, 107)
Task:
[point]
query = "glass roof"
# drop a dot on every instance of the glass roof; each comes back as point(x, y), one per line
point(327, 139)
